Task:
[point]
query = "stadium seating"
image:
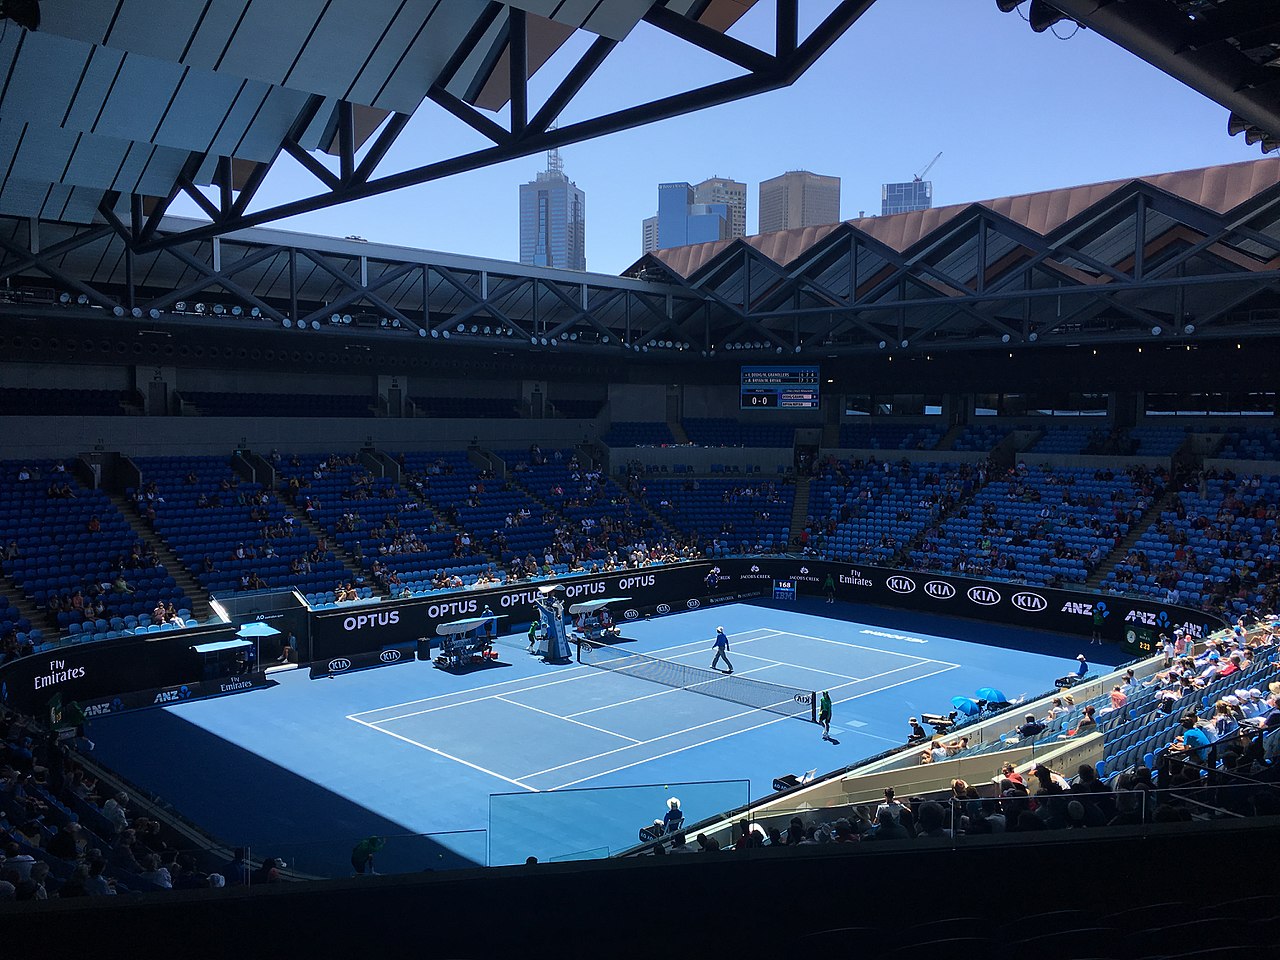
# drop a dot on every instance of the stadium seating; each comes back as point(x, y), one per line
point(725, 432)
point(637, 433)
point(1041, 526)
point(870, 511)
point(1218, 550)
point(226, 526)
point(37, 402)
point(1062, 438)
point(980, 437)
point(59, 555)
point(875, 435)
point(280, 404)
point(1158, 441)
point(726, 516)
point(1251, 444)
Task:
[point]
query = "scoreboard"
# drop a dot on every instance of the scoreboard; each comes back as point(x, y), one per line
point(779, 388)
point(784, 589)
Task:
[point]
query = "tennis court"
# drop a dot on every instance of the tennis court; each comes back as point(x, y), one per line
point(410, 749)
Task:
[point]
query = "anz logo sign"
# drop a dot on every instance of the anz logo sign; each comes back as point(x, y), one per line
point(1030, 602)
point(899, 584)
point(940, 589)
point(338, 664)
point(1147, 618)
point(984, 596)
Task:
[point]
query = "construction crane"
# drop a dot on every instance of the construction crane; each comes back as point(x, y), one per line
point(920, 176)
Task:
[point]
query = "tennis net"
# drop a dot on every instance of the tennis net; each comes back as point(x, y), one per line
point(774, 697)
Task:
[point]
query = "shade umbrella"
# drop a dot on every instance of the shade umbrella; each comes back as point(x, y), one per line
point(256, 629)
point(991, 695)
point(966, 706)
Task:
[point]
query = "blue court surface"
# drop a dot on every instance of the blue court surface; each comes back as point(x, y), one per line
point(303, 769)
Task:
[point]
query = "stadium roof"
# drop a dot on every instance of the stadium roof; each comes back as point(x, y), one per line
point(1219, 189)
point(109, 111)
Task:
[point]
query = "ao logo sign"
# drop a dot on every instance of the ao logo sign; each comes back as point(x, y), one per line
point(338, 664)
point(664, 608)
point(389, 656)
point(1031, 602)
point(900, 584)
point(984, 595)
point(939, 589)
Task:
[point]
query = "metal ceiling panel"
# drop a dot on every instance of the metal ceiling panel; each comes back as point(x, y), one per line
point(214, 33)
point(428, 52)
point(139, 98)
point(614, 20)
point(270, 123)
point(202, 110)
point(25, 198)
point(153, 28)
point(341, 44)
point(269, 39)
point(42, 69)
point(95, 81)
point(80, 21)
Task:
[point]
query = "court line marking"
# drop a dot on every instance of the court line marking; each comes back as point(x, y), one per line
point(448, 756)
point(659, 693)
point(516, 703)
point(585, 671)
point(733, 716)
point(858, 646)
point(735, 733)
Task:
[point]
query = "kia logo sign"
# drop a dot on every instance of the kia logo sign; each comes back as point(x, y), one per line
point(900, 584)
point(664, 608)
point(1031, 602)
point(984, 595)
point(939, 589)
point(631, 613)
point(389, 656)
point(338, 664)
point(694, 604)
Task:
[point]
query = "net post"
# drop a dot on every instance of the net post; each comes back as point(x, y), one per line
point(813, 706)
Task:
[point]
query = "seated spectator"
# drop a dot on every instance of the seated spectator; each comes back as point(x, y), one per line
point(930, 820)
point(887, 828)
point(153, 872)
point(917, 734)
point(1030, 728)
point(114, 811)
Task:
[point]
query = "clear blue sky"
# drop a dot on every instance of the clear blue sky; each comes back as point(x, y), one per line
point(1012, 111)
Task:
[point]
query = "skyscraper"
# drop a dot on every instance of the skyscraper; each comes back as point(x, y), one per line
point(798, 198)
point(553, 219)
point(905, 197)
point(649, 234)
point(733, 195)
point(682, 220)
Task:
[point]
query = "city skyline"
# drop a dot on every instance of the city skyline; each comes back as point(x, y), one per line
point(798, 198)
point(553, 219)
point(1059, 124)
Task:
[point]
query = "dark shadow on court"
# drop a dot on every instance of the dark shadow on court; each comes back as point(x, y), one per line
point(244, 800)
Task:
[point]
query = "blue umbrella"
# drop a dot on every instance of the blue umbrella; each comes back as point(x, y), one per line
point(966, 706)
point(991, 695)
point(256, 629)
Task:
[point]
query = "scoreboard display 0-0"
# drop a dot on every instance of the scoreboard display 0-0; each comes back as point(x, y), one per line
point(779, 388)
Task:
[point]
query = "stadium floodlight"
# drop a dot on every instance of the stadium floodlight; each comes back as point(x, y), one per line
point(544, 341)
point(1156, 331)
point(255, 312)
point(574, 335)
point(219, 309)
point(534, 341)
point(82, 300)
point(883, 344)
point(462, 328)
point(64, 297)
point(422, 332)
point(1004, 338)
point(435, 334)
point(1033, 336)
point(153, 313)
point(797, 348)
point(1189, 328)
point(346, 319)
point(905, 344)
point(180, 307)
point(605, 338)
point(118, 310)
point(395, 322)
point(445, 334)
point(237, 310)
point(475, 328)
point(779, 350)
point(336, 318)
point(315, 324)
point(286, 323)
point(487, 331)
point(200, 308)
point(137, 313)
